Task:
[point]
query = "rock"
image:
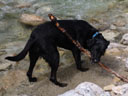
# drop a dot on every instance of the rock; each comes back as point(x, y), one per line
point(120, 90)
point(5, 66)
point(122, 29)
point(86, 89)
point(24, 1)
point(120, 21)
point(124, 39)
point(113, 51)
point(125, 94)
point(43, 11)
point(126, 63)
point(116, 45)
point(113, 27)
point(12, 79)
point(24, 5)
point(116, 80)
point(2, 91)
point(61, 53)
point(31, 19)
point(3, 25)
point(2, 52)
point(109, 87)
point(126, 49)
point(110, 35)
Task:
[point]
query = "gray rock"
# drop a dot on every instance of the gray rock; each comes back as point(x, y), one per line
point(86, 89)
point(5, 66)
point(121, 90)
point(124, 39)
point(110, 34)
point(116, 45)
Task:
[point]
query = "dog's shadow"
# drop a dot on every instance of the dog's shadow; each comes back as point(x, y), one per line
point(67, 73)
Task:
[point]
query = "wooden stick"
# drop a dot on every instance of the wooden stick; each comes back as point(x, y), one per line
point(53, 19)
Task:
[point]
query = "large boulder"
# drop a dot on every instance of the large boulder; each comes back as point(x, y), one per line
point(86, 89)
point(31, 19)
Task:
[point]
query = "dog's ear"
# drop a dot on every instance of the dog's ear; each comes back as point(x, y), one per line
point(90, 42)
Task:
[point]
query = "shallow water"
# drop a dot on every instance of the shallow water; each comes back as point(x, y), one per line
point(64, 9)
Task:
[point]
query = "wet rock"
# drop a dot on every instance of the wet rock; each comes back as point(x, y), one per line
point(110, 34)
point(19, 1)
point(124, 39)
point(5, 66)
point(17, 29)
point(86, 89)
point(24, 5)
point(121, 90)
point(2, 4)
point(3, 25)
point(31, 19)
point(10, 12)
point(1, 15)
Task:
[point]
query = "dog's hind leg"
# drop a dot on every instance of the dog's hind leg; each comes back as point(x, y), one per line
point(52, 57)
point(76, 53)
point(33, 55)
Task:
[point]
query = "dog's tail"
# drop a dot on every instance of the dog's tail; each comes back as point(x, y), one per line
point(23, 53)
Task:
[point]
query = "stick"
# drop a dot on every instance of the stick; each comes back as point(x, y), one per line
point(53, 19)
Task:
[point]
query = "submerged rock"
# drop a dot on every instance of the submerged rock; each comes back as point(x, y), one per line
point(86, 89)
point(24, 5)
point(31, 19)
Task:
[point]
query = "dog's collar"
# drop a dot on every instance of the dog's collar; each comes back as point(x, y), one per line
point(94, 35)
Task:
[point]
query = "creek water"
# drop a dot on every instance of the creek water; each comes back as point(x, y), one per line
point(11, 29)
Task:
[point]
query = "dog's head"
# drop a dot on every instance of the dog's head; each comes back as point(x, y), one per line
point(97, 47)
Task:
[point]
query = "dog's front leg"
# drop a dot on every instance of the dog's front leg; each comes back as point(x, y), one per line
point(76, 53)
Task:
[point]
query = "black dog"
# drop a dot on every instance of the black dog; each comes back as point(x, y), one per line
point(46, 37)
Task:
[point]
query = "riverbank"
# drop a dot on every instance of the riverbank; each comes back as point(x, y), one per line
point(113, 24)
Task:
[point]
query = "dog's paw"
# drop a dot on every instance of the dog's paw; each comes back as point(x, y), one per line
point(83, 69)
point(62, 84)
point(34, 79)
point(58, 83)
